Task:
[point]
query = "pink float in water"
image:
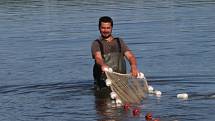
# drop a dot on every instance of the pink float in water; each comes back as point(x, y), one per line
point(127, 106)
point(136, 112)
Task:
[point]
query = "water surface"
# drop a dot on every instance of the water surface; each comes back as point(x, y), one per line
point(45, 59)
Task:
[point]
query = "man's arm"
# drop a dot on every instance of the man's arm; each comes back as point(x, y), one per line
point(100, 61)
point(133, 63)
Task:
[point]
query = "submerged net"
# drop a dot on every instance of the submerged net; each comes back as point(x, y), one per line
point(128, 89)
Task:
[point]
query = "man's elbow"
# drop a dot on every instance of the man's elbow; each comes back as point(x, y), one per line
point(129, 55)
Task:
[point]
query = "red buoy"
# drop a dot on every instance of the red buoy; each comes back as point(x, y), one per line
point(136, 112)
point(127, 106)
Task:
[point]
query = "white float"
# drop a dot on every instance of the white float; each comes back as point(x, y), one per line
point(182, 96)
point(150, 89)
point(118, 101)
point(113, 95)
point(157, 93)
point(140, 75)
point(108, 82)
point(110, 70)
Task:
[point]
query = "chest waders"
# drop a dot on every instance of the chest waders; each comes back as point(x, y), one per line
point(114, 60)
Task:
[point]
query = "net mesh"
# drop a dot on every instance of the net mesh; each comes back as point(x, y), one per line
point(129, 89)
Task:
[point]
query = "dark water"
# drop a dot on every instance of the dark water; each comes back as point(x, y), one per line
point(45, 61)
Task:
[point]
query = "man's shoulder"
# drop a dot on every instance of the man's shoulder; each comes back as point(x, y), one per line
point(119, 38)
point(95, 43)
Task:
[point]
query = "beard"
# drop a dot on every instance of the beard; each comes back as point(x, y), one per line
point(105, 36)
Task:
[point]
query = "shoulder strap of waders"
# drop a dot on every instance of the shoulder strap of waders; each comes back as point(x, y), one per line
point(118, 42)
point(100, 46)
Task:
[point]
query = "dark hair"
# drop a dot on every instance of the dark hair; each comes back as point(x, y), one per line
point(105, 19)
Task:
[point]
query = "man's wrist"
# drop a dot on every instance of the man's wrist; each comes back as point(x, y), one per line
point(133, 66)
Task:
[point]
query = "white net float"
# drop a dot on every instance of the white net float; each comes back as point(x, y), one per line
point(108, 82)
point(118, 101)
point(150, 89)
point(140, 75)
point(110, 70)
point(182, 96)
point(157, 93)
point(113, 95)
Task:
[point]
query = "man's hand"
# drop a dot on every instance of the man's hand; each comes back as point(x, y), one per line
point(134, 71)
point(104, 67)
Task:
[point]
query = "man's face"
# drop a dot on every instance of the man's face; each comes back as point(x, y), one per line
point(105, 29)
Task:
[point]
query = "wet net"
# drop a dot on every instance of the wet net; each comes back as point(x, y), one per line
point(126, 88)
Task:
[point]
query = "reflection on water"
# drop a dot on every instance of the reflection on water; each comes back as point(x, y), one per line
point(105, 107)
point(45, 64)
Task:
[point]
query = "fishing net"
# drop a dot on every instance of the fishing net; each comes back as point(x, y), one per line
point(126, 88)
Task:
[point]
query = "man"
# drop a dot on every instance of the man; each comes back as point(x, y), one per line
point(109, 52)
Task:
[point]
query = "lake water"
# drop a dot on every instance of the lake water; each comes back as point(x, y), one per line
point(46, 64)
